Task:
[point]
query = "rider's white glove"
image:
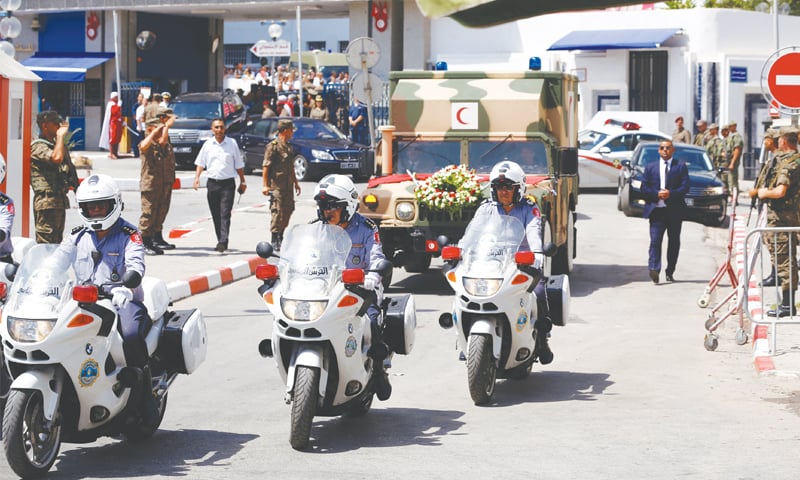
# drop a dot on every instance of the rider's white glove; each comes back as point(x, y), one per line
point(121, 296)
point(370, 283)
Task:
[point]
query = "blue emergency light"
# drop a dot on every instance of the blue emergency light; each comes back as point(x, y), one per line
point(535, 63)
point(440, 66)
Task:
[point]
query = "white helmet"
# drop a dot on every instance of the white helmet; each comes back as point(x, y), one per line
point(2, 168)
point(508, 173)
point(99, 187)
point(336, 191)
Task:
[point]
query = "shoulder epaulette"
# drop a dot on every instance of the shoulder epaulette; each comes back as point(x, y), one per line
point(129, 230)
point(530, 199)
point(370, 223)
point(77, 229)
point(4, 199)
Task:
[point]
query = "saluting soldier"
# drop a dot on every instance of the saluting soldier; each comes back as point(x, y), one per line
point(278, 179)
point(154, 168)
point(783, 194)
point(52, 174)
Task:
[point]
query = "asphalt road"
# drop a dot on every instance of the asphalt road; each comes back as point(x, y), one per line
point(632, 393)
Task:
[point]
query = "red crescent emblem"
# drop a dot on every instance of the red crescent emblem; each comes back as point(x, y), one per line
point(458, 115)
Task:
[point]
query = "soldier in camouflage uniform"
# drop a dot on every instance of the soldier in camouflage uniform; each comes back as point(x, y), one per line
point(715, 147)
point(167, 178)
point(765, 177)
point(154, 167)
point(783, 194)
point(278, 179)
point(702, 131)
point(52, 175)
point(735, 149)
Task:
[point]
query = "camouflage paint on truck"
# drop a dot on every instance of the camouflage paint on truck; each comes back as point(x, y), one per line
point(476, 119)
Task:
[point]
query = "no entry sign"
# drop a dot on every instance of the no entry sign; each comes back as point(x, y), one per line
point(783, 80)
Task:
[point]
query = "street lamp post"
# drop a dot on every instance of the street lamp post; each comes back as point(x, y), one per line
point(275, 31)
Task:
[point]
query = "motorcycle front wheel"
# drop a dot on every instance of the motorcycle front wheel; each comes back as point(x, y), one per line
point(304, 405)
point(31, 448)
point(481, 369)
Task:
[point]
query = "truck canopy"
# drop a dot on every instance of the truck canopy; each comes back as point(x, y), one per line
point(479, 104)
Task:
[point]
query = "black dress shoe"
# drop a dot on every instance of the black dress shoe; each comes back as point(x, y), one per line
point(769, 281)
point(163, 245)
point(670, 278)
point(220, 247)
point(152, 249)
point(783, 311)
point(654, 276)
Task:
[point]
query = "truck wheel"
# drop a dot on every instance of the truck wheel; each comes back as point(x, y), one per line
point(418, 262)
point(562, 261)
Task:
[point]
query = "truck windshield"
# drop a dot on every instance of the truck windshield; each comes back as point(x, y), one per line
point(531, 156)
point(209, 110)
point(420, 156)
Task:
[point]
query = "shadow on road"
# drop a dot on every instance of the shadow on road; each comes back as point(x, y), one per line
point(587, 279)
point(391, 427)
point(551, 386)
point(431, 282)
point(187, 449)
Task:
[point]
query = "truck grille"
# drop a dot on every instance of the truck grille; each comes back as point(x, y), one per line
point(183, 136)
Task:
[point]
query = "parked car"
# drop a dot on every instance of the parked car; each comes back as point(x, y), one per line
point(707, 200)
point(194, 113)
point(602, 150)
point(321, 148)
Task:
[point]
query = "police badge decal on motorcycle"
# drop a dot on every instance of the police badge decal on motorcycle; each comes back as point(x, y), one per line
point(88, 374)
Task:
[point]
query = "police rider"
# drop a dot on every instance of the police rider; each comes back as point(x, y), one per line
point(115, 246)
point(508, 198)
point(337, 201)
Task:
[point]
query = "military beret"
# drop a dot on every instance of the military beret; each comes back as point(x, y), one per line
point(679, 118)
point(700, 122)
point(731, 124)
point(48, 116)
point(153, 121)
point(771, 133)
point(713, 126)
point(284, 124)
point(787, 130)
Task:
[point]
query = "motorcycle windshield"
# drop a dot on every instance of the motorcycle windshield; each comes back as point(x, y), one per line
point(43, 282)
point(489, 244)
point(312, 260)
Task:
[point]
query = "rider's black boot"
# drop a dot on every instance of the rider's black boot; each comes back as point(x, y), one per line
point(378, 352)
point(276, 246)
point(541, 333)
point(280, 241)
point(150, 413)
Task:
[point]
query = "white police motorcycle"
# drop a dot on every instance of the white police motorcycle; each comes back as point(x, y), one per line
point(321, 334)
point(65, 356)
point(494, 308)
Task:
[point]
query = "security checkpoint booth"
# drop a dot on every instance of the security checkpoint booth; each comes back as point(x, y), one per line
point(17, 128)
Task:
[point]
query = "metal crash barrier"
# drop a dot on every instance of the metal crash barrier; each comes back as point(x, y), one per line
point(758, 299)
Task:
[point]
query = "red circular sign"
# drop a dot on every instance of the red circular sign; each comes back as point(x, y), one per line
point(784, 80)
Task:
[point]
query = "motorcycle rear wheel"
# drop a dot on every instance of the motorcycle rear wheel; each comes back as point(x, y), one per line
point(304, 405)
point(481, 369)
point(30, 449)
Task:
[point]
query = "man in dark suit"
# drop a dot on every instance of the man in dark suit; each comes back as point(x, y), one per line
point(664, 184)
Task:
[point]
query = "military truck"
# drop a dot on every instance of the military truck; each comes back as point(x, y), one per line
point(476, 119)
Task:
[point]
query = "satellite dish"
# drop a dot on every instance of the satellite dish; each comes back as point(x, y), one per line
point(146, 40)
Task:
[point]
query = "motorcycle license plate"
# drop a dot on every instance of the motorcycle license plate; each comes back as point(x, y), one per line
point(349, 164)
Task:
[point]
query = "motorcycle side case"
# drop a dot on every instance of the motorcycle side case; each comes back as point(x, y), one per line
point(558, 298)
point(400, 324)
point(184, 340)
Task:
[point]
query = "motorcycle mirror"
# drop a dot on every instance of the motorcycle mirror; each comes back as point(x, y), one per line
point(11, 271)
point(132, 279)
point(442, 240)
point(549, 249)
point(264, 249)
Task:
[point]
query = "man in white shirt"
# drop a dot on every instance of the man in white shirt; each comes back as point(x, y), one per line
point(140, 127)
point(221, 158)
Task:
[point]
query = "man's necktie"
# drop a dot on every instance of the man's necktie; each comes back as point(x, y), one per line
point(666, 173)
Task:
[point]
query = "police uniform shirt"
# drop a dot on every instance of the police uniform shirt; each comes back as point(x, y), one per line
point(6, 223)
point(119, 251)
point(527, 212)
point(366, 250)
point(220, 159)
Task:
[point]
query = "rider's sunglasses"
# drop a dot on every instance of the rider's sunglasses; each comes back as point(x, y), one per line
point(505, 186)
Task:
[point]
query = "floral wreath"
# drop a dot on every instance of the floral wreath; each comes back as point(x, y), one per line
point(450, 189)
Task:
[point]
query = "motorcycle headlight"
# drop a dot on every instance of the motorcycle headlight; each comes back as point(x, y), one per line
point(303, 310)
point(482, 287)
point(712, 191)
point(322, 155)
point(28, 330)
point(637, 184)
point(404, 211)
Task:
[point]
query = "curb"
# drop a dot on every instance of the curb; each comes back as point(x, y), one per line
point(180, 289)
point(762, 357)
point(181, 182)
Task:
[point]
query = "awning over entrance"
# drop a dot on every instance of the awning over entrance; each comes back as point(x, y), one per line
point(614, 39)
point(63, 67)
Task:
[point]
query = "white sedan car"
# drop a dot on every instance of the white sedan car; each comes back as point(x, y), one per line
point(601, 151)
